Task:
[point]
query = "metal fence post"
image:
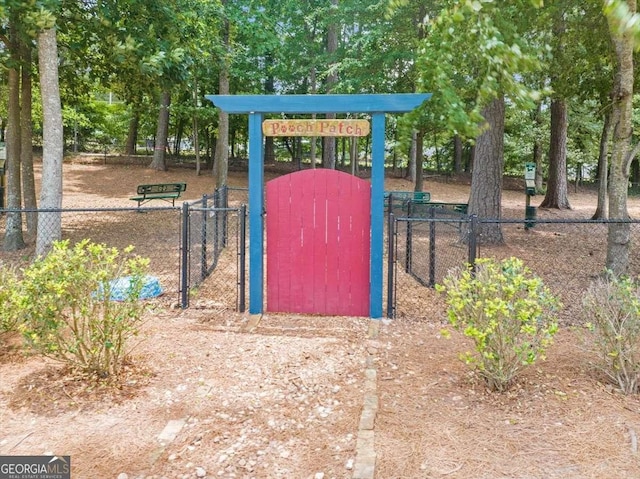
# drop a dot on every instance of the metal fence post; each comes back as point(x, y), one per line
point(473, 243)
point(203, 256)
point(391, 260)
point(184, 258)
point(409, 242)
point(432, 247)
point(242, 260)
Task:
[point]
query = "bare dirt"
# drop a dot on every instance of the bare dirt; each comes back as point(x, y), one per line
point(279, 396)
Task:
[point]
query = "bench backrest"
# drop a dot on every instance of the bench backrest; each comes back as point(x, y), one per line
point(403, 197)
point(162, 188)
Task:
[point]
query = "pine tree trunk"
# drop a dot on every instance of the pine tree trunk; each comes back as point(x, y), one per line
point(221, 155)
point(413, 154)
point(13, 239)
point(26, 149)
point(602, 210)
point(50, 224)
point(328, 142)
point(132, 134)
point(419, 181)
point(457, 154)
point(619, 234)
point(159, 162)
point(488, 167)
point(221, 160)
point(537, 149)
point(556, 196)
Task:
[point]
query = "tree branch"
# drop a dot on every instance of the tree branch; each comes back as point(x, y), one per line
point(632, 154)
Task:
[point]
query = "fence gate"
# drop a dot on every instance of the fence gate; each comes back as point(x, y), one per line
point(318, 243)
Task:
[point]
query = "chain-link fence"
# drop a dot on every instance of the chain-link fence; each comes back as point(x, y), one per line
point(153, 232)
point(199, 247)
point(215, 252)
point(566, 254)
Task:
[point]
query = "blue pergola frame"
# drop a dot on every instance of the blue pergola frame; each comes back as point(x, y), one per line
point(256, 106)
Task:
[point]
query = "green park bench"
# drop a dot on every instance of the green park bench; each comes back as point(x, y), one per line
point(161, 191)
point(401, 199)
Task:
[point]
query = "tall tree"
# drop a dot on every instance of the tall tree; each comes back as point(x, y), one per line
point(485, 199)
point(159, 162)
point(221, 160)
point(328, 142)
point(13, 238)
point(477, 50)
point(556, 196)
point(50, 223)
point(26, 134)
point(619, 233)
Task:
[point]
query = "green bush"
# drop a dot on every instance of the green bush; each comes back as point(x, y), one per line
point(507, 311)
point(67, 313)
point(612, 307)
point(8, 299)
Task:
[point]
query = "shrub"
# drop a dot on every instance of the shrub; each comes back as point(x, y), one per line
point(612, 307)
point(507, 311)
point(8, 298)
point(67, 311)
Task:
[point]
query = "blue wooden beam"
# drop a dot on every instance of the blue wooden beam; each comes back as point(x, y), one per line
point(377, 214)
point(256, 202)
point(383, 103)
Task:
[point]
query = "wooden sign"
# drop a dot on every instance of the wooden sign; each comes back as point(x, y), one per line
point(315, 127)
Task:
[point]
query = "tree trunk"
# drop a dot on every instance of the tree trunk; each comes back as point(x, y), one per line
point(457, 154)
point(619, 237)
point(419, 183)
point(488, 167)
point(556, 196)
point(602, 210)
point(159, 162)
point(269, 89)
point(413, 155)
point(328, 142)
point(26, 149)
point(314, 141)
point(196, 136)
point(353, 155)
point(50, 224)
point(132, 134)
point(537, 149)
point(221, 160)
point(13, 239)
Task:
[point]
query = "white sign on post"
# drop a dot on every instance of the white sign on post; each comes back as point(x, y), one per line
point(530, 175)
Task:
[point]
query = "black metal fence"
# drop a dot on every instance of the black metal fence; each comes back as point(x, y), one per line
point(197, 247)
point(153, 232)
point(566, 253)
point(214, 249)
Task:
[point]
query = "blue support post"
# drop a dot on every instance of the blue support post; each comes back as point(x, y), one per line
point(377, 214)
point(256, 202)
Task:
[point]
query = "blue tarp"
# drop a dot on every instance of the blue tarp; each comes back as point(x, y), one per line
point(120, 286)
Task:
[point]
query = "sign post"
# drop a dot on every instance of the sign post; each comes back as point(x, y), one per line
point(530, 190)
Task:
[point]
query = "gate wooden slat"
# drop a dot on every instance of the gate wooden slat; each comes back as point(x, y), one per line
point(318, 245)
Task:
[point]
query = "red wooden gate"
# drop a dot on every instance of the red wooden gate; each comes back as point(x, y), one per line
point(318, 243)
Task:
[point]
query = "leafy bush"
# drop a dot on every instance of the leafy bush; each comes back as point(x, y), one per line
point(8, 311)
point(64, 300)
point(612, 306)
point(507, 311)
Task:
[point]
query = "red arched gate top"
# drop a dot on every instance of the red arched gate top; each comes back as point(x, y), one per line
point(318, 243)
